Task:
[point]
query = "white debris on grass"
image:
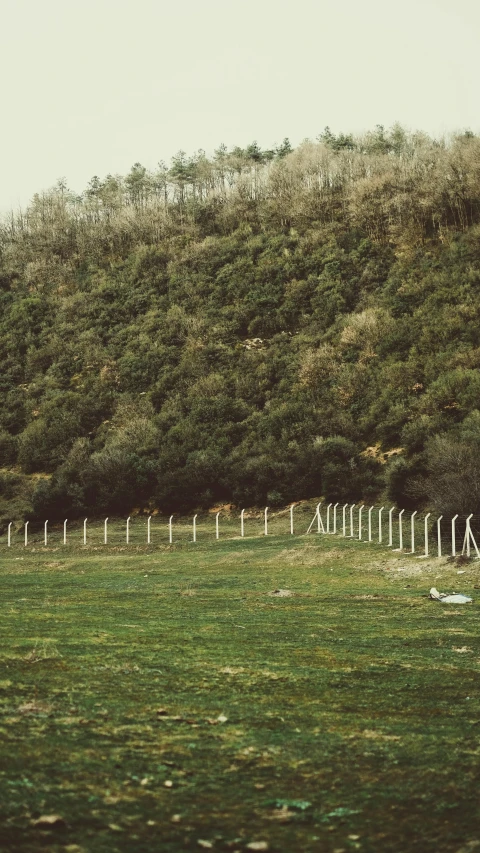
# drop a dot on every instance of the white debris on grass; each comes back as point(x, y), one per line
point(455, 598)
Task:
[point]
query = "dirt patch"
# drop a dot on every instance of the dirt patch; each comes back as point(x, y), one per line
point(309, 555)
point(34, 708)
point(417, 567)
point(281, 593)
point(369, 597)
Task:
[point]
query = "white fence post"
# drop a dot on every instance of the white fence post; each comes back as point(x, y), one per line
point(320, 527)
point(194, 528)
point(328, 518)
point(469, 538)
point(466, 538)
point(454, 553)
point(474, 543)
point(360, 510)
point(380, 524)
point(400, 531)
point(266, 521)
point(439, 537)
point(351, 520)
point(128, 530)
point(344, 520)
point(170, 532)
point(217, 532)
point(105, 531)
point(9, 534)
point(149, 519)
point(318, 518)
point(370, 524)
point(45, 534)
point(291, 519)
point(242, 525)
point(335, 518)
point(390, 527)
point(412, 527)
point(426, 533)
point(65, 531)
point(315, 518)
point(85, 532)
point(26, 533)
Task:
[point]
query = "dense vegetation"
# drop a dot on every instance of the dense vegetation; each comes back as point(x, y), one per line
point(257, 326)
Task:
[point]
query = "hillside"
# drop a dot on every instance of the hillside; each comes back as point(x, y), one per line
point(260, 326)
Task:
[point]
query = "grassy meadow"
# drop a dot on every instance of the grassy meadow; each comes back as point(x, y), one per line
point(170, 698)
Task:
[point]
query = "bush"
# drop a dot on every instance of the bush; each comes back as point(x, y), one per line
point(453, 482)
point(405, 481)
point(8, 449)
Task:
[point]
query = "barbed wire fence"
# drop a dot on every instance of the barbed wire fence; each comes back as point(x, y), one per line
point(420, 534)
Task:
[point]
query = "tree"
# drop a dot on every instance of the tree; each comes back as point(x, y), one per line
point(284, 148)
point(453, 465)
point(137, 184)
point(337, 143)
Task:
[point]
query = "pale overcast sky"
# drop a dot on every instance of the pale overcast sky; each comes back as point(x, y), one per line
point(92, 86)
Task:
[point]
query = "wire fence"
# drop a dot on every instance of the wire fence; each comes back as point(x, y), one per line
point(400, 530)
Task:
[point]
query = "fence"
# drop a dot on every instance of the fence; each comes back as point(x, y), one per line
point(424, 536)
point(391, 527)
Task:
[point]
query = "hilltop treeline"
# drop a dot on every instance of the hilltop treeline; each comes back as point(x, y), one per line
point(257, 326)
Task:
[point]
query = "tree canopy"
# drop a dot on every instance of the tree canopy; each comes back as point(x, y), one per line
point(256, 326)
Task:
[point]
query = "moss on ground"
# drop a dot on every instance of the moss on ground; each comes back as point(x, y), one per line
point(161, 699)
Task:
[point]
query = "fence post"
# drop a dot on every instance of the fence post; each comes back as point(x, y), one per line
point(344, 521)
point(370, 524)
point(45, 534)
point(439, 537)
point(291, 519)
point(454, 553)
point(469, 538)
point(335, 518)
point(170, 533)
point(390, 527)
point(85, 532)
point(195, 528)
point(380, 524)
point(426, 533)
point(26, 533)
point(360, 510)
point(105, 531)
point(9, 534)
point(242, 526)
point(148, 529)
point(128, 530)
point(467, 535)
point(412, 527)
point(217, 533)
point(351, 520)
point(65, 531)
point(328, 518)
point(400, 531)
point(266, 521)
point(319, 518)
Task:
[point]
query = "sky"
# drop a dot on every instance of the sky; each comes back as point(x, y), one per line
point(90, 87)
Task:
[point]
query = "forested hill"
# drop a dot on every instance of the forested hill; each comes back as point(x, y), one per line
point(258, 326)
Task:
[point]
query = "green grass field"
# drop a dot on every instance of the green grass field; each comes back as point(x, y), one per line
point(162, 699)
